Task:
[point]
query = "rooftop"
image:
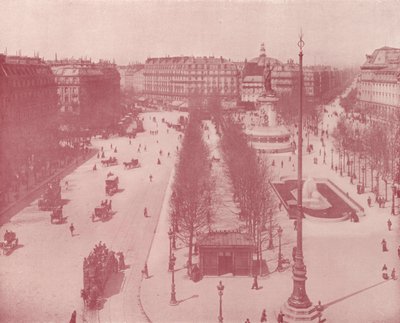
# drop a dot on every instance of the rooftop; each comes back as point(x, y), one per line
point(226, 238)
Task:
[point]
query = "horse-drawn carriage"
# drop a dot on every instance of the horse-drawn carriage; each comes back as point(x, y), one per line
point(111, 161)
point(51, 197)
point(10, 241)
point(103, 211)
point(97, 268)
point(56, 215)
point(134, 163)
point(111, 184)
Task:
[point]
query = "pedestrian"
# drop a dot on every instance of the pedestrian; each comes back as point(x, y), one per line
point(398, 251)
point(73, 317)
point(389, 224)
point(121, 261)
point(255, 282)
point(138, 150)
point(111, 146)
point(151, 178)
point(263, 316)
point(384, 273)
point(280, 317)
point(98, 155)
point(384, 245)
point(273, 162)
point(369, 201)
point(115, 149)
point(145, 271)
point(66, 185)
point(282, 164)
point(94, 167)
point(72, 229)
point(158, 161)
point(168, 154)
point(393, 274)
point(130, 142)
point(247, 321)
point(102, 155)
point(145, 213)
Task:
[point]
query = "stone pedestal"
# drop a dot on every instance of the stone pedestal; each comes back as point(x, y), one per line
point(266, 106)
point(298, 315)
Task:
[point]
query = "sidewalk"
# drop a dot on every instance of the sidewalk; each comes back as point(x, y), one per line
point(34, 191)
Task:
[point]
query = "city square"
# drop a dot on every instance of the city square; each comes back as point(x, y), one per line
point(193, 187)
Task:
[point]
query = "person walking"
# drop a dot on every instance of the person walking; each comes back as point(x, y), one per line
point(72, 229)
point(145, 271)
point(389, 224)
point(145, 213)
point(369, 201)
point(393, 274)
point(73, 317)
point(384, 245)
point(263, 316)
point(151, 178)
point(255, 282)
point(280, 317)
point(384, 272)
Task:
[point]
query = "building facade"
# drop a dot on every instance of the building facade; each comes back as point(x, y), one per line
point(90, 90)
point(170, 79)
point(28, 104)
point(135, 79)
point(378, 85)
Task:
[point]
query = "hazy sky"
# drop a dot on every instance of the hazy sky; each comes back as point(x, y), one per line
point(335, 32)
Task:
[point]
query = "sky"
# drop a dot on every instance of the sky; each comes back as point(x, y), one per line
point(338, 33)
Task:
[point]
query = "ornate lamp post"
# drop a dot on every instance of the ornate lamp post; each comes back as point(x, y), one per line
point(170, 234)
point(280, 268)
point(298, 306)
point(394, 190)
point(173, 294)
point(220, 289)
point(331, 158)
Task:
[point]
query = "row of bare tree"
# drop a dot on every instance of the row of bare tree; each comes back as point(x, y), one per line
point(377, 144)
point(250, 177)
point(193, 187)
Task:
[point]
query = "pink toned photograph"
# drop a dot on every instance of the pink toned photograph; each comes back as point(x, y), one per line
point(201, 161)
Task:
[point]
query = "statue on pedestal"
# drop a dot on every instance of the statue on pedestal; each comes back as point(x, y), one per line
point(267, 79)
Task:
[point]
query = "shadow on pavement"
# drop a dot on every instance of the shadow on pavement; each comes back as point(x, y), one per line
point(185, 299)
point(353, 294)
point(114, 285)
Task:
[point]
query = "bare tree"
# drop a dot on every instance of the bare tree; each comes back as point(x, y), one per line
point(191, 202)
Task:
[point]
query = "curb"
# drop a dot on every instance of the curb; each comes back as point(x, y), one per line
point(167, 195)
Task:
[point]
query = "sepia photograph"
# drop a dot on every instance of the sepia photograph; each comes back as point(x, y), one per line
point(199, 161)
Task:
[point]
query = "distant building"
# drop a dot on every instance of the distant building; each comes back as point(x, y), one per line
point(318, 81)
point(87, 89)
point(284, 76)
point(378, 86)
point(170, 79)
point(28, 104)
point(134, 78)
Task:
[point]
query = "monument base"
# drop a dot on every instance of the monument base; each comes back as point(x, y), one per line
point(291, 314)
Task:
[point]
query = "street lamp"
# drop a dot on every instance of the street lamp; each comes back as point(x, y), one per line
point(394, 191)
point(173, 294)
point(298, 306)
point(280, 268)
point(220, 289)
point(170, 235)
point(332, 158)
